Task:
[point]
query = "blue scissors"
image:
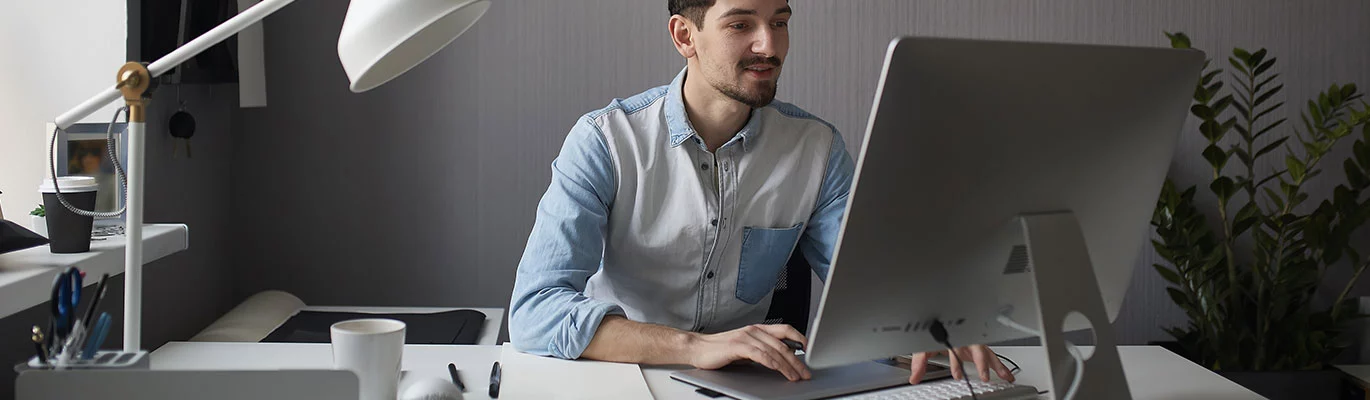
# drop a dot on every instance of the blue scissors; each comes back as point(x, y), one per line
point(66, 295)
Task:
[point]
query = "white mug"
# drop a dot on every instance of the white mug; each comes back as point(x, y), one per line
point(371, 348)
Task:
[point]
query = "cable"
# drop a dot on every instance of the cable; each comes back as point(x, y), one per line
point(1070, 348)
point(1015, 369)
point(939, 333)
point(113, 155)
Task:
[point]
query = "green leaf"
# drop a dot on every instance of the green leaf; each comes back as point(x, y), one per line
point(1209, 77)
point(1296, 168)
point(1242, 155)
point(1272, 126)
point(1243, 111)
point(1221, 105)
point(1271, 147)
point(1354, 176)
point(1246, 136)
point(1237, 65)
point(1214, 88)
point(1241, 53)
point(1217, 158)
point(1265, 66)
point(1275, 198)
point(1269, 110)
point(1178, 40)
point(1348, 91)
point(1267, 94)
point(1169, 275)
point(1213, 131)
point(1267, 80)
point(1255, 59)
point(1223, 187)
point(1247, 217)
point(1178, 297)
point(1203, 112)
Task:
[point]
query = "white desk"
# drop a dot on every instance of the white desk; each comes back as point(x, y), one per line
point(489, 333)
point(1152, 372)
point(26, 275)
point(1359, 375)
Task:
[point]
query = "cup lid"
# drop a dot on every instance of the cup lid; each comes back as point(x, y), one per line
point(70, 184)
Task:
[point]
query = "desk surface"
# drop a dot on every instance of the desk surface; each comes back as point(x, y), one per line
point(1152, 372)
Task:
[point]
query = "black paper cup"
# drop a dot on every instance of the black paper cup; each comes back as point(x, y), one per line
point(68, 232)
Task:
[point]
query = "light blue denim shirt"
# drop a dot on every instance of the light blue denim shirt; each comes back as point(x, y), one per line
point(641, 220)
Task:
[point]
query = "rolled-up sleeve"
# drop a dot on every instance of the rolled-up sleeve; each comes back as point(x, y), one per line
point(820, 237)
point(549, 313)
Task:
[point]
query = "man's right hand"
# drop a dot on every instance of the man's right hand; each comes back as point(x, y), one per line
point(759, 343)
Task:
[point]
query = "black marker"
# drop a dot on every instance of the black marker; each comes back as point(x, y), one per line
point(494, 381)
point(452, 369)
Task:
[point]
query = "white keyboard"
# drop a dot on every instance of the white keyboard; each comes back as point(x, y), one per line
point(947, 389)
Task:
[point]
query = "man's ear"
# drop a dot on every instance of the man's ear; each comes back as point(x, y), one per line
point(682, 34)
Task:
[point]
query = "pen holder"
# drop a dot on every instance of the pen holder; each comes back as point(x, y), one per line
point(104, 359)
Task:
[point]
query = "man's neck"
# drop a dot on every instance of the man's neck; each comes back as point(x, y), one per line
point(716, 117)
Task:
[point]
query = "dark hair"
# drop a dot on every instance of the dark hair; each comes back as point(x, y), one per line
point(690, 9)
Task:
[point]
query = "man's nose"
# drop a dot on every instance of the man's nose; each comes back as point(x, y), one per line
point(764, 43)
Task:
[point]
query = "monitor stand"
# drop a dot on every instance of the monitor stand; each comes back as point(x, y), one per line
point(1064, 281)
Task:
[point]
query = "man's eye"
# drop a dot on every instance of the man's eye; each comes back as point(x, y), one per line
point(738, 26)
point(782, 24)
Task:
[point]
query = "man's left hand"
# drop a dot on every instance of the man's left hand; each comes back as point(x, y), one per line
point(984, 359)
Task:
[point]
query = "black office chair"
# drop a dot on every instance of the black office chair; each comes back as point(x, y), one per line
point(790, 300)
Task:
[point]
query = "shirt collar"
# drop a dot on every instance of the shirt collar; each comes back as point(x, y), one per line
point(679, 123)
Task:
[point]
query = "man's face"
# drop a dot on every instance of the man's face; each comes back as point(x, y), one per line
point(741, 47)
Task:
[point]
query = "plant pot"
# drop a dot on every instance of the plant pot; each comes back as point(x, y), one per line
point(1279, 385)
point(1294, 385)
point(40, 225)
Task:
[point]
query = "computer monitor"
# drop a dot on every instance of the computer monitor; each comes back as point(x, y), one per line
point(966, 137)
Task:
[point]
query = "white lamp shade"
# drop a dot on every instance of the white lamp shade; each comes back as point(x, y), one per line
point(382, 39)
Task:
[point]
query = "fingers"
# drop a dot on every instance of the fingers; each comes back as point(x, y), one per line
point(999, 368)
point(981, 355)
point(781, 350)
point(756, 351)
point(785, 331)
point(955, 365)
point(918, 365)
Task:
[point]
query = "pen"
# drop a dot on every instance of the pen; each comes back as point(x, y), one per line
point(95, 302)
point(38, 344)
point(494, 381)
point(97, 337)
point(452, 369)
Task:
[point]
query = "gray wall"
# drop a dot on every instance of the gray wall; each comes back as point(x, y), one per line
point(422, 192)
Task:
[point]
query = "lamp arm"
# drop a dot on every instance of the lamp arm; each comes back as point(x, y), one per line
point(218, 34)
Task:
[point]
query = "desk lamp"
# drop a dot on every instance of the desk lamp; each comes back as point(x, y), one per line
point(380, 40)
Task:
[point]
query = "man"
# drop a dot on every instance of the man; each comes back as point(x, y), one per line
point(671, 213)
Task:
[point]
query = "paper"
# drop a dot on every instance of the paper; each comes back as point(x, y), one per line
point(526, 376)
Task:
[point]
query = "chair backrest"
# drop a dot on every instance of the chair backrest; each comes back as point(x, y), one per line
point(790, 300)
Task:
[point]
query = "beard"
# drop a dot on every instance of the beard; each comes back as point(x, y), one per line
point(757, 96)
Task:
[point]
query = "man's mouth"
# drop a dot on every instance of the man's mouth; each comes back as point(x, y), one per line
point(761, 71)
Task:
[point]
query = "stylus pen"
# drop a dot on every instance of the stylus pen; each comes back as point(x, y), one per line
point(456, 379)
point(494, 381)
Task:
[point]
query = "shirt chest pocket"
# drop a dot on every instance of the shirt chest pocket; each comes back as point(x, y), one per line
point(764, 254)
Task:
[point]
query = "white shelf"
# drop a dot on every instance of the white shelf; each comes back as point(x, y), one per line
point(26, 275)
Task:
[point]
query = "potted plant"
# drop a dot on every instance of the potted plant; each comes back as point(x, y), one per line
point(1245, 270)
point(40, 220)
